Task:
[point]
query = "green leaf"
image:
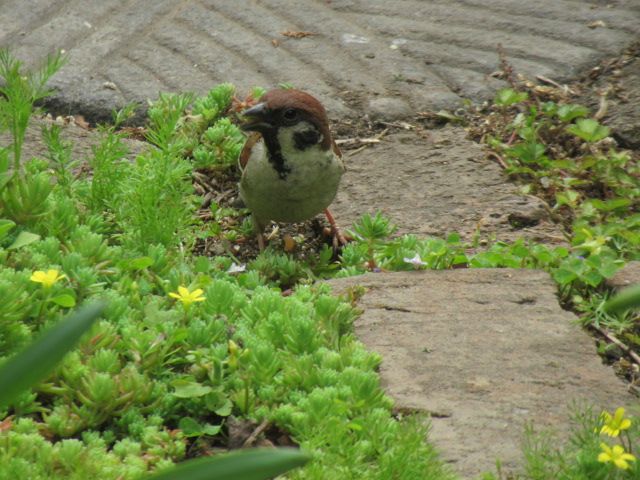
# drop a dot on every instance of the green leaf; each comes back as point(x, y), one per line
point(528, 152)
point(189, 389)
point(5, 177)
point(257, 92)
point(64, 300)
point(356, 427)
point(564, 276)
point(139, 263)
point(610, 205)
point(225, 409)
point(190, 427)
point(568, 113)
point(508, 96)
point(211, 430)
point(589, 130)
point(460, 259)
point(35, 362)
point(5, 227)
point(609, 267)
point(592, 278)
point(453, 238)
point(625, 300)
point(257, 464)
point(568, 197)
point(24, 238)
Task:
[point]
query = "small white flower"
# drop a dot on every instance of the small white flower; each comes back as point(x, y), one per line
point(237, 268)
point(416, 261)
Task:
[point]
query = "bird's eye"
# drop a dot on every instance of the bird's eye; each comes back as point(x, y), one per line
point(290, 114)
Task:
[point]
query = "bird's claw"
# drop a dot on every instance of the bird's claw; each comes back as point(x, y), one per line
point(339, 240)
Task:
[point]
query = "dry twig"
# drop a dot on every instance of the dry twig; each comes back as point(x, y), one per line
point(297, 34)
point(251, 439)
point(613, 339)
point(506, 67)
point(498, 159)
point(603, 107)
point(362, 141)
point(544, 79)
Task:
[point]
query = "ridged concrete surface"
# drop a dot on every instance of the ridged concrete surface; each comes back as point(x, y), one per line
point(424, 54)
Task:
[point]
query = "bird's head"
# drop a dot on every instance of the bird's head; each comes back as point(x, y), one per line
point(291, 117)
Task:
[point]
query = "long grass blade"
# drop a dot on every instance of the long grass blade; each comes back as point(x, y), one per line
point(36, 361)
point(625, 300)
point(257, 464)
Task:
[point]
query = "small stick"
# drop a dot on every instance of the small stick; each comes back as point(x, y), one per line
point(603, 107)
point(382, 134)
point(404, 125)
point(498, 159)
point(544, 79)
point(368, 140)
point(613, 339)
point(256, 432)
point(357, 150)
point(506, 67)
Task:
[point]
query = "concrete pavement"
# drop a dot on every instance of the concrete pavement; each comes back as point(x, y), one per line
point(389, 57)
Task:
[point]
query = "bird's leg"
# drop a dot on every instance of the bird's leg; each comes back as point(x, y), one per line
point(338, 238)
point(259, 229)
point(260, 241)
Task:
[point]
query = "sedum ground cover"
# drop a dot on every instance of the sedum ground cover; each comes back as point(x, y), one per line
point(191, 349)
point(185, 347)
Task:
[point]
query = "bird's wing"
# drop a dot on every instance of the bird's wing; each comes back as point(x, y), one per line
point(338, 154)
point(246, 150)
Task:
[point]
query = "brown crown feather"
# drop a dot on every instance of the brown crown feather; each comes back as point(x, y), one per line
point(280, 98)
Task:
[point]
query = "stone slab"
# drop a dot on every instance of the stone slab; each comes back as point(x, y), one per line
point(622, 88)
point(625, 114)
point(626, 276)
point(428, 54)
point(484, 351)
point(440, 182)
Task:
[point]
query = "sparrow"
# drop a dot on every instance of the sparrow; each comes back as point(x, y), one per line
point(290, 165)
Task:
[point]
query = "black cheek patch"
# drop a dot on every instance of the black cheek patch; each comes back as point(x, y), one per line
point(305, 139)
point(274, 154)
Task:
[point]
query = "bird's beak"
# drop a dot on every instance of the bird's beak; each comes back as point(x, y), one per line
point(256, 118)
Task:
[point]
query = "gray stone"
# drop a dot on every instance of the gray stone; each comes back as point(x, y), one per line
point(440, 182)
point(431, 54)
point(624, 117)
point(619, 79)
point(626, 276)
point(389, 108)
point(484, 351)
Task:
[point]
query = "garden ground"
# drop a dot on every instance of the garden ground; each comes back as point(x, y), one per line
point(437, 182)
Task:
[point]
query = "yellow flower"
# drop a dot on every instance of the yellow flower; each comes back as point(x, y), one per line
point(188, 297)
point(616, 455)
point(48, 279)
point(613, 424)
